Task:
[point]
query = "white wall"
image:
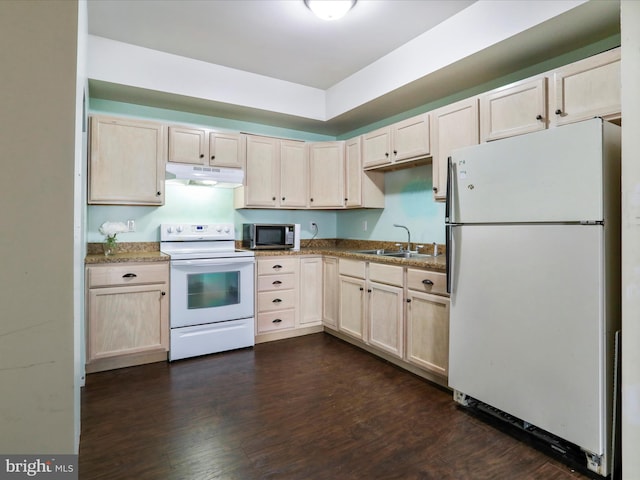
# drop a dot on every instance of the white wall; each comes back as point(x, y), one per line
point(630, 17)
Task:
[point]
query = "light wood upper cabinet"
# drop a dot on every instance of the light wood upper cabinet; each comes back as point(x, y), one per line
point(187, 145)
point(362, 188)
point(454, 126)
point(293, 174)
point(514, 110)
point(226, 150)
point(326, 175)
point(410, 138)
point(262, 177)
point(402, 141)
point(588, 88)
point(127, 315)
point(126, 162)
point(376, 148)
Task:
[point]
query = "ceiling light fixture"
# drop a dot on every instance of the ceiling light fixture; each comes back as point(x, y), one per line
point(330, 9)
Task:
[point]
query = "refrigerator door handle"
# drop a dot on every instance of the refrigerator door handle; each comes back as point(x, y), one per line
point(448, 246)
point(447, 204)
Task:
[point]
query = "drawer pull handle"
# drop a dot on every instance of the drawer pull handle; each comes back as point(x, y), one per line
point(277, 282)
point(129, 275)
point(276, 300)
point(277, 267)
point(427, 282)
point(277, 320)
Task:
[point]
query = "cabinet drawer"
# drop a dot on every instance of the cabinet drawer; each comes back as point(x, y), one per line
point(389, 274)
point(426, 281)
point(277, 265)
point(131, 274)
point(352, 268)
point(276, 282)
point(270, 301)
point(280, 320)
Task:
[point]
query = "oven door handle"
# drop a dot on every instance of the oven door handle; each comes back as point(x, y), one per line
point(208, 262)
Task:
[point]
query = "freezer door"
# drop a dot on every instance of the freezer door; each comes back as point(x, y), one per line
point(555, 175)
point(527, 325)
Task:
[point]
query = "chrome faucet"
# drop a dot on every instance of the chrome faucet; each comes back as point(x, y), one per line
point(408, 234)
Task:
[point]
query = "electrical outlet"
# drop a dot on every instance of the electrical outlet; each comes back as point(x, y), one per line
point(131, 225)
point(313, 226)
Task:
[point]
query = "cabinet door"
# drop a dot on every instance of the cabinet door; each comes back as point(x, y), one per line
point(310, 291)
point(293, 174)
point(351, 316)
point(588, 88)
point(127, 320)
point(262, 173)
point(187, 145)
point(330, 293)
point(353, 172)
point(385, 317)
point(226, 150)
point(454, 126)
point(326, 174)
point(376, 148)
point(428, 332)
point(514, 110)
point(410, 138)
point(126, 162)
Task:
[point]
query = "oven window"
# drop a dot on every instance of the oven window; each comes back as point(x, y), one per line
point(216, 289)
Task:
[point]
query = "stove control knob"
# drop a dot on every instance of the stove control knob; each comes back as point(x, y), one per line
point(218, 229)
point(169, 229)
point(179, 228)
point(226, 230)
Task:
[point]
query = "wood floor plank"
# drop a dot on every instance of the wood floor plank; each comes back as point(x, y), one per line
point(312, 407)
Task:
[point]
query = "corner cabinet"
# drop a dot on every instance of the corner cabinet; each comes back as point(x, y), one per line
point(126, 162)
point(127, 315)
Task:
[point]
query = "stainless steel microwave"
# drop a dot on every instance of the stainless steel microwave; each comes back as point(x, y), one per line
point(268, 236)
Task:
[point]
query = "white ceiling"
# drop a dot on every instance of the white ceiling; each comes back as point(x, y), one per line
point(277, 38)
point(282, 39)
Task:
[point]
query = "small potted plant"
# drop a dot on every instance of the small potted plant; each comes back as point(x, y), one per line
point(110, 230)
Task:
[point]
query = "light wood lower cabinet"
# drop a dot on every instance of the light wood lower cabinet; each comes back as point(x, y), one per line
point(127, 315)
point(385, 308)
point(352, 307)
point(288, 296)
point(330, 292)
point(428, 331)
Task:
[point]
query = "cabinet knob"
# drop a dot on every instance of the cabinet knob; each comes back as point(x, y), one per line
point(273, 198)
point(202, 155)
point(129, 275)
point(346, 199)
point(558, 112)
point(361, 289)
point(276, 320)
point(311, 199)
point(368, 290)
point(427, 282)
point(283, 198)
point(395, 152)
point(386, 154)
point(408, 300)
point(163, 293)
point(158, 194)
point(435, 189)
point(213, 157)
point(539, 117)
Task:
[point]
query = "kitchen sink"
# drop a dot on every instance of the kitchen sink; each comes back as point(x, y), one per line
point(379, 251)
point(395, 253)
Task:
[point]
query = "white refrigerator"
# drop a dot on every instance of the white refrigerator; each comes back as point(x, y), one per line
point(533, 251)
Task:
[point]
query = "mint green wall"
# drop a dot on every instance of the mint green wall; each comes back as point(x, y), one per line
point(409, 202)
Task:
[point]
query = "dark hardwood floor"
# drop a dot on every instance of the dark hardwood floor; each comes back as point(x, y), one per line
point(312, 407)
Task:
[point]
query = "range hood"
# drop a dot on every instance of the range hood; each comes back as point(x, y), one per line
point(202, 175)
